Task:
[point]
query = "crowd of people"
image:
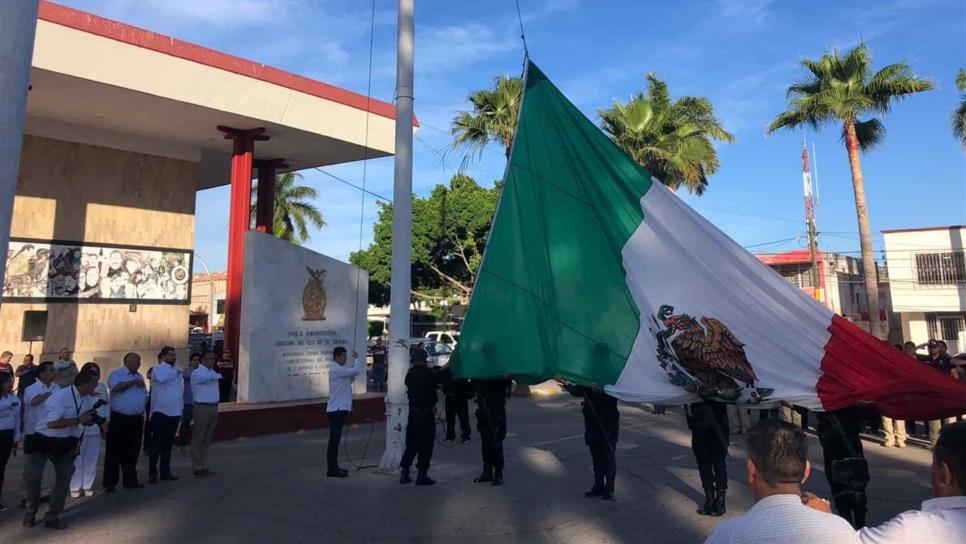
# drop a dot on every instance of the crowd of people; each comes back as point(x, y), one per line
point(777, 465)
point(58, 415)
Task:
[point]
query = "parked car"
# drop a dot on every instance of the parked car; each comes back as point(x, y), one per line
point(438, 352)
point(450, 338)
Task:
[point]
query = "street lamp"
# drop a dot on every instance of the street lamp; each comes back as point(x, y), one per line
point(211, 295)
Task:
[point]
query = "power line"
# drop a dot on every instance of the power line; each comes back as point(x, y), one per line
point(353, 185)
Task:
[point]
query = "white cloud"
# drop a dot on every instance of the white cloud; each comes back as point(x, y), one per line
point(443, 48)
point(744, 13)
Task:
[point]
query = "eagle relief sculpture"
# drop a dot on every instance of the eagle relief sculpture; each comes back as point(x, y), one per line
point(708, 360)
point(313, 296)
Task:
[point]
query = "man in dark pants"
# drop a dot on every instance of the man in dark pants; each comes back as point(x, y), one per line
point(341, 378)
point(491, 398)
point(167, 403)
point(126, 426)
point(601, 428)
point(57, 431)
point(421, 385)
point(838, 432)
point(458, 394)
point(708, 421)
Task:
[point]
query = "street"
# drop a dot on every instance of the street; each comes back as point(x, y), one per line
point(273, 489)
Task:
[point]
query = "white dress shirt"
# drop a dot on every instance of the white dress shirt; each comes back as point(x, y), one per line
point(64, 403)
point(204, 385)
point(783, 519)
point(940, 520)
point(100, 392)
point(167, 390)
point(340, 385)
point(33, 414)
point(129, 402)
point(10, 409)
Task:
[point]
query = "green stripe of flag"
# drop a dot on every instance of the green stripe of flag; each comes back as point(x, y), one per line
point(551, 297)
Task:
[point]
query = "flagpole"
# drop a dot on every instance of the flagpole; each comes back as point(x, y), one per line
point(18, 25)
point(810, 221)
point(397, 406)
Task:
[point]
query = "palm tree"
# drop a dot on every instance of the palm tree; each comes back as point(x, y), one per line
point(293, 211)
point(673, 140)
point(959, 116)
point(841, 89)
point(492, 119)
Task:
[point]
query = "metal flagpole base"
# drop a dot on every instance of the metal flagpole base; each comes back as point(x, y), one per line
point(397, 415)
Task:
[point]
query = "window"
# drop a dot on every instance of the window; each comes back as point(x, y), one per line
point(220, 307)
point(34, 326)
point(941, 268)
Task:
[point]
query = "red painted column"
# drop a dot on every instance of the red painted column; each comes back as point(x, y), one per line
point(243, 149)
point(265, 207)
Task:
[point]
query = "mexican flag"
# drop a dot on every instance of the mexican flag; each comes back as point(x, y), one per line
point(596, 273)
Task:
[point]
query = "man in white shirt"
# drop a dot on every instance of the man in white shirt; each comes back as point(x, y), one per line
point(64, 369)
point(11, 408)
point(339, 405)
point(205, 393)
point(777, 467)
point(126, 424)
point(57, 439)
point(942, 518)
point(34, 397)
point(167, 401)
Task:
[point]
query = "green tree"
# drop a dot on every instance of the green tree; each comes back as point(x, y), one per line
point(493, 118)
point(959, 116)
point(843, 89)
point(294, 211)
point(450, 228)
point(674, 140)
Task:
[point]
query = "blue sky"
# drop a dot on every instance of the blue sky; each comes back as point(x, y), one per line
point(741, 54)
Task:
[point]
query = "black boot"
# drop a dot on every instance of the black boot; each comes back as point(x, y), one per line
point(404, 477)
point(497, 476)
point(719, 503)
point(485, 476)
point(608, 494)
point(709, 502)
point(423, 479)
point(598, 488)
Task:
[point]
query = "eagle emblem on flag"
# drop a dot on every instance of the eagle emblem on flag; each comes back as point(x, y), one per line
point(705, 357)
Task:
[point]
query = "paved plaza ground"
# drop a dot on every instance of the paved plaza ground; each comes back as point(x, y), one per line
point(273, 489)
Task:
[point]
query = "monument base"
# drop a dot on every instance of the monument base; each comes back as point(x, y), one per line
point(244, 420)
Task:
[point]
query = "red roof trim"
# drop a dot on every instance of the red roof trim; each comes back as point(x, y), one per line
point(795, 256)
point(923, 229)
point(139, 37)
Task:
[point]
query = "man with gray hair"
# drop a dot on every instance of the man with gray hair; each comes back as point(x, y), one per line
point(126, 424)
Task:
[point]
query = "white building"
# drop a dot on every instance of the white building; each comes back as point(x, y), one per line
point(927, 273)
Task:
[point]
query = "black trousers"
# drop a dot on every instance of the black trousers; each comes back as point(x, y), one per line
point(457, 406)
point(420, 438)
point(6, 446)
point(491, 424)
point(710, 453)
point(184, 428)
point(124, 434)
point(600, 435)
point(163, 429)
point(336, 424)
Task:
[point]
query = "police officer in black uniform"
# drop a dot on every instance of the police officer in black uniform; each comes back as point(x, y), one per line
point(601, 427)
point(421, 385)
point(846, 470)
point(708, 421)
point(456, 403)
point(491, 398)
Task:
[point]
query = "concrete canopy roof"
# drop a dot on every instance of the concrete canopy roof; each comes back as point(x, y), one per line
point(101, 82)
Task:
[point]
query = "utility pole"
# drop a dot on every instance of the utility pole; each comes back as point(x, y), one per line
point(397, 406)
point(18, 26)
point(810, 221)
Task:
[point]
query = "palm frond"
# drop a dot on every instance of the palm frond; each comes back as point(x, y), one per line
point(870, 133)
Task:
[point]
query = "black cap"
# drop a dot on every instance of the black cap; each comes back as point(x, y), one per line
point(933, 343)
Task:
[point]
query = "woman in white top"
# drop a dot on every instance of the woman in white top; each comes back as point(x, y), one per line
point(85, 464)
point(10, 408)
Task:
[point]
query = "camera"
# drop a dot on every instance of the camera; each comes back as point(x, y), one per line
point(851, 473)
point(96, 419)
